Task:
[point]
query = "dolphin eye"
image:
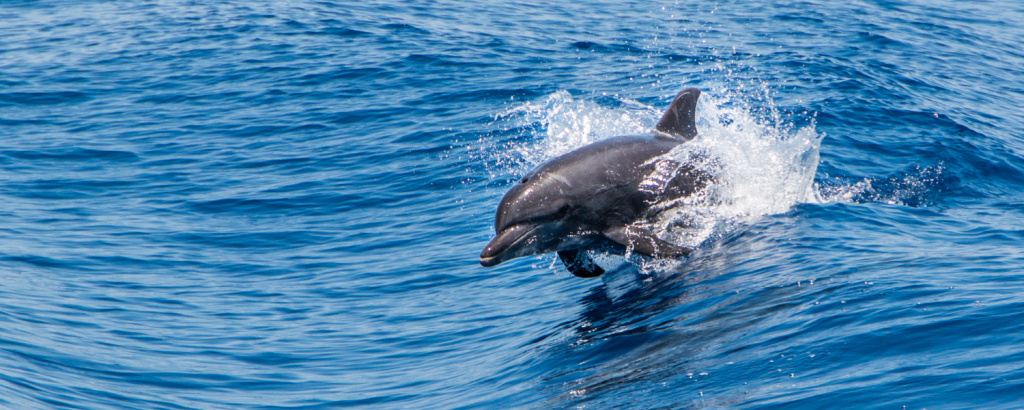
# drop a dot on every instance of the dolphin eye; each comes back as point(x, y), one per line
point(562, 211)
point(523, 181)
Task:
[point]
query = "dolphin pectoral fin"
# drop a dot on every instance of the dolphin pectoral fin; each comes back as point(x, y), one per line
point(645, 243)
point(580, 264)
point(680, 119)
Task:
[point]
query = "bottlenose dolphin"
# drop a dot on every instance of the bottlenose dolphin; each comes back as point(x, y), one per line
point(592, 197)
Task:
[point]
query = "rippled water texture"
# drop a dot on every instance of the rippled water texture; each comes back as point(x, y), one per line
point(280, 205)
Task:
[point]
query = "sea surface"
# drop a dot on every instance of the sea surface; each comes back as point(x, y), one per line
point(280, 205)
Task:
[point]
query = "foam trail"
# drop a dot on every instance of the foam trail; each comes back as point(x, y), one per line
point(916, 187)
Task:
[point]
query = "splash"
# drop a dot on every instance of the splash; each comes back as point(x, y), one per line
point(760, 166)
point(560, 123)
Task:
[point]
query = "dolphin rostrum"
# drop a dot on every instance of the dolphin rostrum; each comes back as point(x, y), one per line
point(593, 196)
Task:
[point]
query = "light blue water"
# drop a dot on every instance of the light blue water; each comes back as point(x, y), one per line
point(280, 205)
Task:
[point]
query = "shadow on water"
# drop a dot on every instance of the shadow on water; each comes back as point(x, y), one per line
point(647, 328)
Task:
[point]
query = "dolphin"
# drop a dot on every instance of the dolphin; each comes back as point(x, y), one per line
point(592, 198)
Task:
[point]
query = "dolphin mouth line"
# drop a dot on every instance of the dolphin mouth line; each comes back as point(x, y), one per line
point(496, 259)
point(489, 261)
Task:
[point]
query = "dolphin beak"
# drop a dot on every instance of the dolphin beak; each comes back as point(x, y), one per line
point(496, 251)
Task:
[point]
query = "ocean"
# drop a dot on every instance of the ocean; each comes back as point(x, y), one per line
point(281, 205)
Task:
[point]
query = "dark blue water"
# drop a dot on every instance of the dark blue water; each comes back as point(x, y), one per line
point(280, 205)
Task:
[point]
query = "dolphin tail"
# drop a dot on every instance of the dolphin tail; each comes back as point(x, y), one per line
point(680, 119)
point(579, 263)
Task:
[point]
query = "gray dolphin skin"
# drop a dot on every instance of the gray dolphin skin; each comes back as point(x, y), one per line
point(590, 198)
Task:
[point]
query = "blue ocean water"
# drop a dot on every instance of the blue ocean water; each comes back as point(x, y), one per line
point(280, 205)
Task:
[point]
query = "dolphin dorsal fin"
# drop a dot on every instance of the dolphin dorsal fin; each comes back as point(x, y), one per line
point(680, 119)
